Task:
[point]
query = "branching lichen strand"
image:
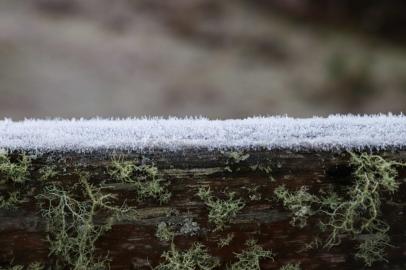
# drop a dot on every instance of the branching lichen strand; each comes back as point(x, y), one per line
point(226, 240)
point(357, 212)
point(220, 211)
point(144, 178)
point(195, 258)
point(371, 249)
point(16, 172)
point(164, 232)
point(71, 227)
point(250, 258)
point(299, 203)
point(360, 213)
point(47, 172)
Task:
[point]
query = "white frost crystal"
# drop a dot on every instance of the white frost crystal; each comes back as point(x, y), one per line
point(281, 132)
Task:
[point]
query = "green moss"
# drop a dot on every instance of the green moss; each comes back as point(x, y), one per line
point(164, 232)
point(70, 222)
point(250, 258)
point(144, 178)
point(16, 172)
point(225, 241)
point(290, 266)
point(220, 211)
point(196, 258)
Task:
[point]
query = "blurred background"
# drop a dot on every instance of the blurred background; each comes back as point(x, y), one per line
point(216, 58)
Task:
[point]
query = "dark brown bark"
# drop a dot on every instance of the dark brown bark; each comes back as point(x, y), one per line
point(131, 245)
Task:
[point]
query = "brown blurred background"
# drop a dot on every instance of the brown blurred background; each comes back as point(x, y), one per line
point(221, 59)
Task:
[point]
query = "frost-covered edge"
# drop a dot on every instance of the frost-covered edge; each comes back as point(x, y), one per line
point(348, 132)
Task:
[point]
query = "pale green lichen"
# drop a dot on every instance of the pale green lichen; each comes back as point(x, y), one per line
point(47, 172)
point(11, 201)
point(303, 204)
point(16, 172)
point(121, 169)
point(221, 211)
point(357, 212)
point(249, 259)
point(298, 202)
point(35, 266)
point(265, 168)
point(290, 266)
point(195, 258)
point(12, 174)
point(31, 266)
point(253, 193)
point(144, 178)
point(371, 249)
point(360, 212)
point(225, 241)
point(314, 244)
point(71, 227)
point(164, 232)
point(233, 160)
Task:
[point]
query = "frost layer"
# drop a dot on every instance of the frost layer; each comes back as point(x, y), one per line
point(81, 135)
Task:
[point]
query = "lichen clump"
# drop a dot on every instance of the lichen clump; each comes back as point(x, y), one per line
point(265, 168)
point(13, 174)
point(298, 202)
point(249, 259)
point(360, 212)
point(71, 226)
point(221, 211)
point(10, 202)
point(370, 250)
point(225, 241)
point(47, 172)
point(355, 213)
point(164, 232)
point(234, 159)
point(144, 178)
point(196, 258)
point(290, 266)
point(16, 172)
point(31, 266)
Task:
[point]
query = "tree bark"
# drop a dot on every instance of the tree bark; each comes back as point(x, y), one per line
point(133, 245)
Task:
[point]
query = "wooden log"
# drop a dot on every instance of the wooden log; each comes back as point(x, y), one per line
point(134, 244)
point(251, 173)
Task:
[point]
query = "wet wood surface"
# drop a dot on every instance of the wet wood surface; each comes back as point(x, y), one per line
point(133, 245)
